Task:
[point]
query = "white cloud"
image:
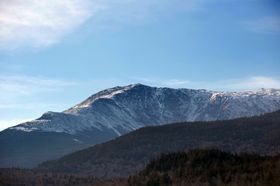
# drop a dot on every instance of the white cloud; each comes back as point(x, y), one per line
point(268, 24)
point(39, 22)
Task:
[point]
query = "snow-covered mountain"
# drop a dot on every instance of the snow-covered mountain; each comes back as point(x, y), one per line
point(123, 109)
point(116, 111)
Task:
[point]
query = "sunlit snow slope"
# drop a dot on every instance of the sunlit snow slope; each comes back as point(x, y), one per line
point(116, 111)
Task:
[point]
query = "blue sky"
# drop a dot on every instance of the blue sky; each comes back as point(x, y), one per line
point(54, 54)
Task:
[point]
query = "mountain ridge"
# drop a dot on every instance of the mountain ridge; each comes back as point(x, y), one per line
point(129, 153)
point(113, 112)
point(111, 95)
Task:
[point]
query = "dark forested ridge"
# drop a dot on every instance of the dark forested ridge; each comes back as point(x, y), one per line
point(24, 177)
point(209, 167)
point(129, 153)
point(193, 168)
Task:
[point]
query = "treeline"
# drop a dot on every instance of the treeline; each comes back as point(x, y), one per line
point(22, 177)
point(192, 168)
point(209, 167)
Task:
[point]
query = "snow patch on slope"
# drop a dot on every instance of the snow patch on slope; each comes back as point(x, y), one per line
point(124, 109)
point(106, 94)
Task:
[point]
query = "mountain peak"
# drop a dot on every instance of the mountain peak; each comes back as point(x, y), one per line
point(104, 94)
point(125, 108)
point(119, 110)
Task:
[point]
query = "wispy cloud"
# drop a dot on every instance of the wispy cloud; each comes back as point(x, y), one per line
point(39, 23)
point(254, 83)
point(249, 83)
point(267, 24)
point(27, 85)
point(18, 91)
point(23, 97)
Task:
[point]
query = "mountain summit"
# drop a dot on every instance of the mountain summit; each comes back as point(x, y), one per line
point(123, 109)
point(119, 110)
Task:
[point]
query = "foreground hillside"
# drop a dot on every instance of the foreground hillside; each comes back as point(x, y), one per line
point(209, 167)
point(127, 154)
point(24, 177)
point(120, 110)
point(192, 168)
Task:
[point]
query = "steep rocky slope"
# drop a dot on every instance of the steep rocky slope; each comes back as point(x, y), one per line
point(116, 111)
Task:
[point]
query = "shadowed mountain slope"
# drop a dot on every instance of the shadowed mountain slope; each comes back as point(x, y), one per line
point(119, 110)
point(129, 153)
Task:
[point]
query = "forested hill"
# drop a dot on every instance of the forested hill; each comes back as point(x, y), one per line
point(193, 168)
point(129, 153)
point(209, 167)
